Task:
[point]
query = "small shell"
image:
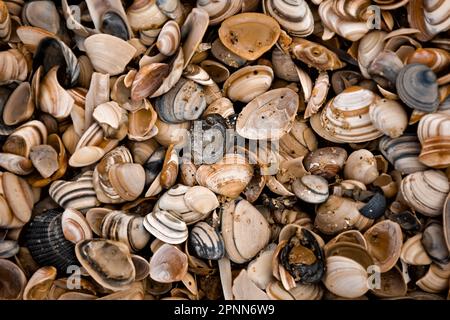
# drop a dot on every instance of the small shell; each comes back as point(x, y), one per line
point(168, 264)
point(166, 226)
point(435, 280)
point(259, 270)
point(145, 15)
point(5, 22)
point(245, 289)
point(197, 74)
point(217, 71)
point(433, 135)
point(206, 242)
point(127, 179)
point(201, 199)
point(369, 47)
point(74, 226)
point(413, 252)
point(12, 280)
point(311, 188)
point(15, 164)
point(192, 33)
point(220, 10)
point(8, 249)
point(433, 240)
point(39, 284)
point(221, 53)
point(389, 117)
point(169, 38)
point(20, 142)
point(20, 105)
point(318, 95)
point(315, 55)
point(326, 162)
point(86, 156)
point(148, 79)
point(361, 165)
point(13, 66)
point(17, 201)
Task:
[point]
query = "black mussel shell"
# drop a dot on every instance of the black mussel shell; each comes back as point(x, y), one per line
point(53, 52)
point(407, 220)
point(433, 241)
point(375, 207)
point(114, 25)
point(206, 242)
point(45, 239)
point(304, 273)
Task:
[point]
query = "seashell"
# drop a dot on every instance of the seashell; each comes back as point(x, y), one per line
point(197, 74)
point(389, 117)
point(434, 58)
point(318, 95)
point(326, 162)
point(259, 270)
point(145, 15)
point(142, 267)
point(127, 179)
point(361, 165)
point(77, 194)
point(430, 18)
point(107, 262)
point(142, 150)
point(228, 177)
point(345, 277)
point(168, 264)
point(384, 244)
point(20, 105)
point(86, 71)
point(74, 226)
point(12, 280)
point(166, 226)
point(22, 139)
point(148, 79)
point(350, 236)
point(5, 22)
point(98, 94)
point(315, 55)
point(45, 159)
point(169, 38)
point(241, 222)
point(45, 239)
point(8, 249)
point(384, 70)
point(342, 79)
point(433, 240)
point(351, 251)
point(346, 118)
point(206, 242)
point(17, 201)
point(220, 10)
point(169, 171)
point(39, 284)
point(217, 71)
point(368, 49)
point(227, 57)
point(85, 156)
point(298, 142)
point(375, 207)
point(112, 118)
point(15, 164)
point(172, 9)
point(413, 252)
point(175, 134)
point(432, 134)
point(192, 32)
point(417, 87)
point(185, 101)
point(141, 124)
point(94, 218)
point(248, 83)
point(200, 199)
point(249, 35)
point(13, 66)
point(42, 14)
point(125, 228)
point(101, 49)
point(245, 289)
point(392, 284)
point(338, 214)
point(425, 191)
point(311, 188)
point(435, 280)
point(187, 173)
point(269, 123)
point(275, 291)
point(283, 66)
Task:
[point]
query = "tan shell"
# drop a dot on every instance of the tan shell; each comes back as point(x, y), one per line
point(369, 47)
point(414, 253)
point(220, 10)
point(53, 98)
point(168, 264)
point(169, 38)
point(249, 35)
point(315, 55)
point(16, 201)
point(318, 94)
point(39, 284)
point(435, 280)
point(362, 166)
point(259, 270)
point(13, 67)
point(20, 105)
point(433, 135)
point(12, 279)
point(384, 243)
point(145, 15)
point(392, 284)
point(217, 71)
point(389, 117)
point(15, 164)
point(127, 179)
point(276, 291)
point(74, 226)
point(245, 289)
point(192, 32)
point(20, 142)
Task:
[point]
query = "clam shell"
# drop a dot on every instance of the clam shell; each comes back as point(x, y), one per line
point(434, 58)
point(259, 270)
point(227, 57)
point(108, 262)
point(101, 50)
point(168, 264)
point(207, 242)
point(13, 280)
point(20, 105)
point(361, 165)
point(248, 83)
point(127, 179)
point(192, 32)
point(432, 133)
point(245, 289)
point(384, 243)
point(249, 35)
point(17, 200)
point(414, 253)
point(39, 284)
point(369, 47)
point(430, 18)
point(45, 159)
point(325, 162)
point(425, 191)
point(220, 10)
point(148, 79)
point(201, 199)
point(446, 221)
point(28, 135)
point(375, 207)
point(5, 22)
point(435, 280)
point(45, 239)
point(389, 117)
point(197, 74)
point(75, 226)
point(14, 66)
point(15, 164)
point(318, 95)
point(86, 156)
point(94, 218)
point(145, 15)
point(311, 188)
point(309, 291)
point(315, 55)
point(166, 226)
point(433, 240)
point(350, 250)
point(298, 142)
point(217, 71)
point(392, 284)
point(169, 38)
point(268, 116)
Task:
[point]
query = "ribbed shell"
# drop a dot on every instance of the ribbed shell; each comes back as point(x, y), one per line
point(206, 241)
point(166, 227)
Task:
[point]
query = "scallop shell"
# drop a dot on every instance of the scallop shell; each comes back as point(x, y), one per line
point(425, 191)
point(166, 226)
point(207, 242)
point(249, 35)
point(311, 188)
point(45, 239)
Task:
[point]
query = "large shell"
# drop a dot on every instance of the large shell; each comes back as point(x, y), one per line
point(244, 229)
point(268, 116)
point(249, 35)
point(206, 242)
point(108, 262)
point(425, 191)
point(45, 239)
point(166, 226)
point(346, 117)
point(228, 177)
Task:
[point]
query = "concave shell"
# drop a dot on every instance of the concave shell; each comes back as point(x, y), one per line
point(244, 229)
point(429, 17)
point(127, 179)
point(108, 262)
point(168, 264)
point(45, 159)
point(228, 177)
point(42, 14)
point(39, 284)
point(350, 250)
point(147, 80)
point(74, 226)
point(384, 243)
point(392, 284)
point(12, 280)
point(192, 33)
point(126, 228)
point(248, 83)
point(446, 221)
point(221, 53)
point(141, 124)
point(403, 153)
point(102, 51)
point(350, 236)
point(311, 188)
point(338, 214)
point(217, 71)
point(169, 38)
point(17, 201)
point(425, 191)
point(45, 239)
point(268, 116)
point(207, 242)
point(345, 277)
point(201, 199)
point(435, 280)
point(145, 15)
point(166, 226)
point(298, 142)
point(15, 164)
point(315, 55)
point(293, 16)
point(310, 291)
point(249, 35)
point(389, 117)
point(417, 87)
point(326, 162)
point(184, 102)
point(414, 253)
point(369, 47)
point(346, 117)
point(433, 240)
point(20, 105)
point(361, 165)
point(283, 66)
point(14, 66)
point(32, 133)
point(86, 156)
point(220, 10)
point(5, 22)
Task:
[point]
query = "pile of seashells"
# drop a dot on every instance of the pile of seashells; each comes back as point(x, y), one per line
point(224, 149)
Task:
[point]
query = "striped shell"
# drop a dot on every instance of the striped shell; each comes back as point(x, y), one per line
point(434, 134)
point(28, 135)
point(166, 227)
point(311, 188)
point(206, 242)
